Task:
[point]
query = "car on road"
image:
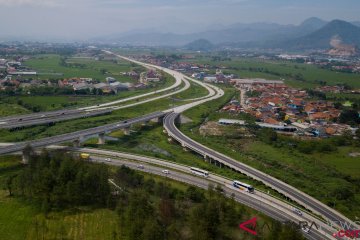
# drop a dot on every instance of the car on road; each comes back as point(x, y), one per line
point(297, 211)
point(305, 229)
point(108, 159)
point(165, 171)
point(140, 166)
point(125, 122)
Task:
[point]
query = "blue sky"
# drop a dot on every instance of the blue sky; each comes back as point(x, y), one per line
point(81, 19)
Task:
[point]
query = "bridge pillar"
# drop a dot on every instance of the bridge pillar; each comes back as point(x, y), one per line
point(126, 131)
point(25, 157)
point(101, 140)
point(159, 120)
point(77, 143)
point(177, 120)
point(145, 123)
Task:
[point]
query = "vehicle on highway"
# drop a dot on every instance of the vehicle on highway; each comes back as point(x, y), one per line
point(165, 171)
point(297, 211)
point(108, 159)
point(243, 186)
point(140, 166)
point(305, 229)
point(85, 156)
point(198, 171)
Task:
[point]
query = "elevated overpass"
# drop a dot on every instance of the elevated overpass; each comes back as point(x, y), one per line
point(79, 136)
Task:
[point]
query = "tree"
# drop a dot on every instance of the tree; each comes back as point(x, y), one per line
point(357, 133)
point(9, 184)
point(267, 135)
point(349, 116)
point(305, 147)
point(152, 230)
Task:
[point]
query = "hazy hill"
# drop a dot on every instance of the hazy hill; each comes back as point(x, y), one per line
point(199, 45)
point(320, 39)
point(313, 33)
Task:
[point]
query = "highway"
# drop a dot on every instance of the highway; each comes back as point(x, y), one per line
point(264, 203)
point(214, 93)
point(289, 191)
point(78, 135)
point(33, 119)
point(47, 117)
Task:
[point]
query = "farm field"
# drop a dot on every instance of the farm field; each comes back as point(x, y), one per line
point(308, 76)
point(49, 66)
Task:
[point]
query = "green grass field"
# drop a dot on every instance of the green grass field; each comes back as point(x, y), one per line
point(7, 109)
point(48, 66)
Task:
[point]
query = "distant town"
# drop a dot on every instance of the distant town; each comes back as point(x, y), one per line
point(15, 77)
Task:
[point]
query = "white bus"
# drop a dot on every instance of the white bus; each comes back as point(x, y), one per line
point(199, 172)
point(243, 186)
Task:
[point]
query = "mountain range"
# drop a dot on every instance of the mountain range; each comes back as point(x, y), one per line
point(313, 33)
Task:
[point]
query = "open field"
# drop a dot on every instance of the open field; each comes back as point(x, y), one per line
point(250, 68)
point(48, 66)
point(7, 109)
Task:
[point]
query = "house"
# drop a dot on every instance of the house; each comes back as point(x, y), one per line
point(231, 122)
point(80, 86)
point(100, 85)
point(110, 79)
point(210, 79)
point(153, 79)
point(118, 86)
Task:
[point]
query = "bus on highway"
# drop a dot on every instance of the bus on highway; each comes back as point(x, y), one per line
point(243, 186)
point(199, 172)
